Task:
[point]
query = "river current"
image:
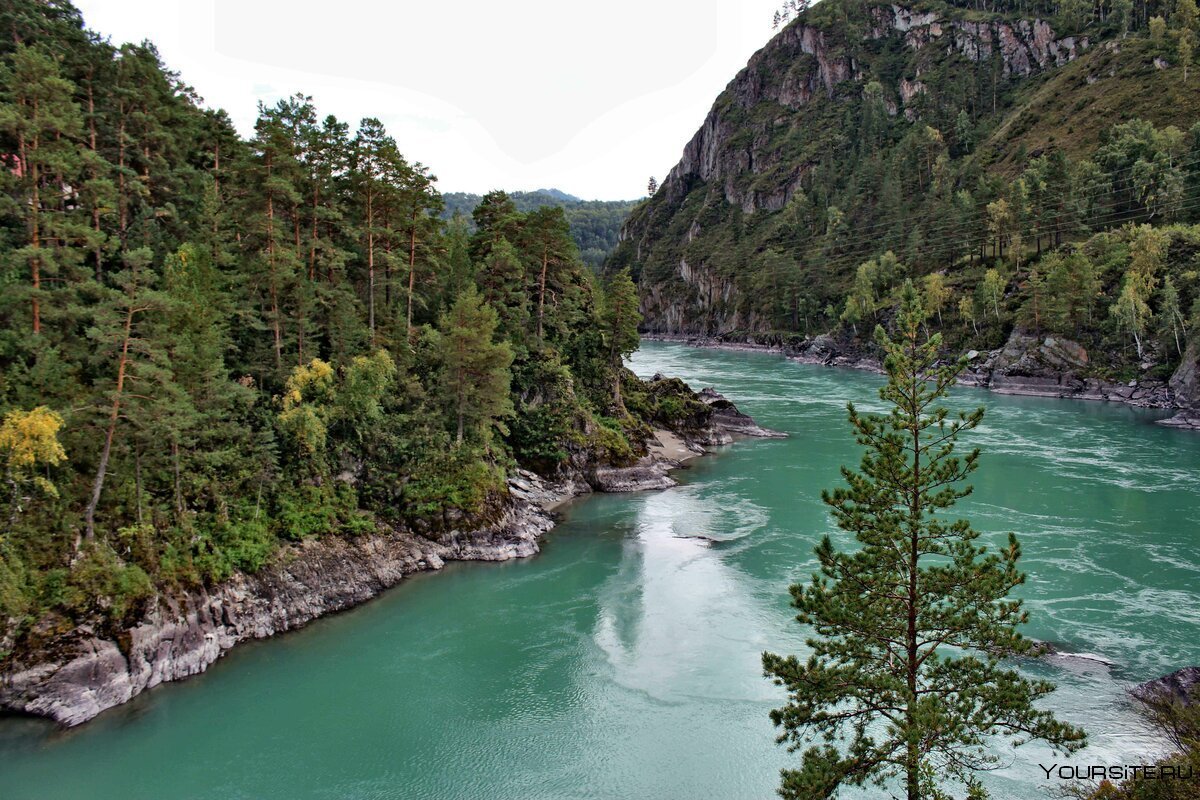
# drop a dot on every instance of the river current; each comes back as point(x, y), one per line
point(623, 661)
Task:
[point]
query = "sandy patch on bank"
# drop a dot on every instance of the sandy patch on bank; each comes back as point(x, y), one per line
point(671, 447)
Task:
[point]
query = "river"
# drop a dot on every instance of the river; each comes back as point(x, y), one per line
point(623, 661)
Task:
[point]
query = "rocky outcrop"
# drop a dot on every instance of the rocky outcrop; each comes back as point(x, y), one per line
point(1185, 386)
point(728, 418)
point(748, 153)
point(1052, 367)
point(74, 677)
point(1182, 686)
point(815, 65)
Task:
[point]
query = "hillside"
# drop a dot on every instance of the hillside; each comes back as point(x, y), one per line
point(213, 348)
point(870, 143)
point(595, 224)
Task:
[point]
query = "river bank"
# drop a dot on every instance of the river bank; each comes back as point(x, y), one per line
point(1025, 366)
point(625, 658)
point(75, 676)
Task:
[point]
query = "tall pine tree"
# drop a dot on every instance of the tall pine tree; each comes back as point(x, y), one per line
point(906, 679)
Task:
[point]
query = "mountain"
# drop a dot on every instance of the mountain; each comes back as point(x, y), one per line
point(869, 143)
point(595, 224)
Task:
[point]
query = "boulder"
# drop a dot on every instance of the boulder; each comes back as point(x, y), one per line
point(1181, 686)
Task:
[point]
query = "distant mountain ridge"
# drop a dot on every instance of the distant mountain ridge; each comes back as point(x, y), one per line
point(595, 224)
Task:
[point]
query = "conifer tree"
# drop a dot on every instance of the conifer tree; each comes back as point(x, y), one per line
point(475, 373)
point(502, 280)
point(621, 318)
point(372, 148)
point(42, 118)
point(906, 680)
point(547, 236)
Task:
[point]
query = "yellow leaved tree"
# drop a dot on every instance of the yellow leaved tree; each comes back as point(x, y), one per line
point(29, 440)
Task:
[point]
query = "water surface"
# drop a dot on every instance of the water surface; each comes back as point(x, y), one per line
point(623, 662)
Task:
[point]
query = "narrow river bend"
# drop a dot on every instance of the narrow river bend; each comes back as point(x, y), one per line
point(623, 662)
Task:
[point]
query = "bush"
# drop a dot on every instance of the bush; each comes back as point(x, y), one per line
point(246, 544)
point(99, 583)
point(610, 441)
point(305, 511)
point(459, 478)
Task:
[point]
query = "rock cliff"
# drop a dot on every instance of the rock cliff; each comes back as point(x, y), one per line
point(779, 119)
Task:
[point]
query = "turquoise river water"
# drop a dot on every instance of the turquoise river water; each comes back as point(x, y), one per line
point(623, 661)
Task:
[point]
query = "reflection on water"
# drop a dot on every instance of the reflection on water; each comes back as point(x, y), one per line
point(623, 662)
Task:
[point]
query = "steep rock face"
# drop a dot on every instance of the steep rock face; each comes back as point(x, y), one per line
point(815, 66)
point(1185, 384)
point(737, 154)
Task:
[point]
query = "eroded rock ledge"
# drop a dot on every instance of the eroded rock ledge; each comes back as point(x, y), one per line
point(76, 676)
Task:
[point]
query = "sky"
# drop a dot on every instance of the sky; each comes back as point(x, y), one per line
point(590, 98)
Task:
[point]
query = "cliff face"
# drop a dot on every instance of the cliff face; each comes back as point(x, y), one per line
point(766, 132)
point(816, 63)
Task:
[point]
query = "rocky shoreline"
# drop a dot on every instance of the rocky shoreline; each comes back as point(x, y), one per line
point(75, 676)
point(1026, 365)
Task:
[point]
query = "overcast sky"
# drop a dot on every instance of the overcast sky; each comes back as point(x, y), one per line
point(591, 98)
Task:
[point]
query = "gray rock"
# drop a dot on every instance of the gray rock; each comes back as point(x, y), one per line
point(84, 673)
point(1181, 686)
point(726, 417)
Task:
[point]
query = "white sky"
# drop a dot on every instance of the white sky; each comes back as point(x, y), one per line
point(591, 98)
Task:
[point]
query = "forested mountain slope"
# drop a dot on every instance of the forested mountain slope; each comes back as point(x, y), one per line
point(595, 224)
point(210, 346)
point(1000, 154)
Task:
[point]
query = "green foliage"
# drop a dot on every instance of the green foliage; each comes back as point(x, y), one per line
point(98, 582)
point(595, 224)
point(608, 437)
point(456, 478)
point(906, 679)
point(475, 373)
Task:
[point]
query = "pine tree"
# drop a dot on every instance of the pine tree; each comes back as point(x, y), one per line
point(422, 204)
point(502, 280)
point(372, 148)
point(475, 372)
point(909, 629)
point(621, 318)
point(42, 118)
point(547, 237)
point(652, 186)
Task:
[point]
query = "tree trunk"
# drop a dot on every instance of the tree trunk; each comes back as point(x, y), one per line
point(542, 293)
point(412, 271)
point(113, 416)
point(178, 487)
point(35, 236)
point(912, 759)
point(91, 99)
point(137, 482)
point(370, 267)
point(273, 277)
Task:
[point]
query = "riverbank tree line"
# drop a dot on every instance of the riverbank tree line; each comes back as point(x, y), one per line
point(210, 345)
